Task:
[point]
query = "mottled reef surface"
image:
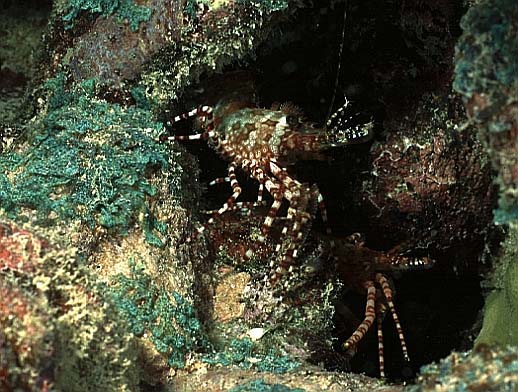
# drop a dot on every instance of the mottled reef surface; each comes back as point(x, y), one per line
point(105, 283)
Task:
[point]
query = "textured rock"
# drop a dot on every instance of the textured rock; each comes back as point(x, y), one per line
point(57, 328)
point(486, 74)
point(483, 369)
point(430, 187)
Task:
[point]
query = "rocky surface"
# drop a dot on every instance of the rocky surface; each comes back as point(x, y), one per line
point(104, 283)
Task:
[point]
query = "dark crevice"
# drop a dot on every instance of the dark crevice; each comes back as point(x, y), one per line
point(393, 55)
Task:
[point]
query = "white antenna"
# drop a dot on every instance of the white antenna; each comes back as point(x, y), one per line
point(339, 63)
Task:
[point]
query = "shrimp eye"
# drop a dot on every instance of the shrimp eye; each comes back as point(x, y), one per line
point(292, 120)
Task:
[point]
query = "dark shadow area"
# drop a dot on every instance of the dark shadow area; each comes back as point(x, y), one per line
point(22, 24)
point(392, 54)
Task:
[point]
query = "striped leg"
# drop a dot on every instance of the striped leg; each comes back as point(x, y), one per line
point(282, 174)
point(370, 314)
point(200, 111)
point(276, 190)
point(292, 194)
point(380, 311)
point(298, 232)
point(302, 199)
point(204, 112)
point(236, 189)
point(300, 215)
point(220, 180)
point(259, 174)
point(245, 206)
point(387, 292)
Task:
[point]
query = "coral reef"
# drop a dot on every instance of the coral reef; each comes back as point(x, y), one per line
point(25, 348)
point(484, 369)
point(124, 10)
point(486, 74)
point(58, 329)
point(166, 44)
point(171, 323)
point(299, 328)
point(260, 386)
point(430, 186)
point(501, 308)
point(87, 164)
point(308, 379)
point(114, 292)
point(21, 28)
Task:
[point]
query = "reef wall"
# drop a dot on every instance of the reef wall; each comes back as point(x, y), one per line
point(105, 283)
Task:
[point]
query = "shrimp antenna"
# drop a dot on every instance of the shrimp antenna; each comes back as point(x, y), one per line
point(346, 4)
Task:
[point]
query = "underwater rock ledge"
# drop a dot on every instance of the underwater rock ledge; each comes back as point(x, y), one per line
point(100, 288)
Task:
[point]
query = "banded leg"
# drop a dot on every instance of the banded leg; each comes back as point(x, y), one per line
point(284, 176)
point(276, 189)
point(297, 221)
point(292, 194)
point(204, 112)
point(259, 174)
point(379, 318)
point(293, 223)
point(370, 314)
point(387, 292)
point(304, 206)
point(246, 206)
point(236, 189)
point(285, 265)
point(220, 180)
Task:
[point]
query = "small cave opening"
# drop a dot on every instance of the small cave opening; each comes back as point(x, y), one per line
point(382, 57)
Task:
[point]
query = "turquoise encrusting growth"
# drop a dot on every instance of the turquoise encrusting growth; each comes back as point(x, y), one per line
point(88, 163)
point(243, 353)
point(172, 325)
point(58, 331)
point(123, 9)
point(168, 318)
point(486, 74)
point(487, 52)
point(260, 385)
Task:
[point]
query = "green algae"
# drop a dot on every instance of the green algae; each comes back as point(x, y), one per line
point(170, 322)
point(88, 162)
point(167, 318)
point(207, 48)
point(260, 385)
point(74, 334)
point(487, 52)
point(122, 9)
point(500, 324)
point(245, 354)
